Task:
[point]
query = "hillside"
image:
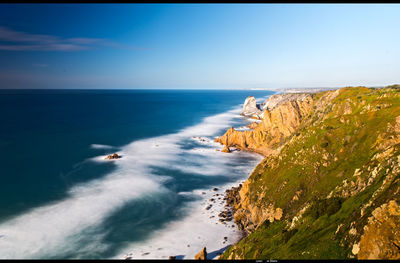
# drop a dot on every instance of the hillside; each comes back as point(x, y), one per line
point(328, 186)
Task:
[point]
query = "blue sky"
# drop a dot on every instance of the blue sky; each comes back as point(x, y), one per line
point(198, 45)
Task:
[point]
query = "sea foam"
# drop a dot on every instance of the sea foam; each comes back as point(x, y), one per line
point(101, 146)
point(184, 238)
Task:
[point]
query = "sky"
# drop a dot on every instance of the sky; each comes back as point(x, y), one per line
point(198, 46)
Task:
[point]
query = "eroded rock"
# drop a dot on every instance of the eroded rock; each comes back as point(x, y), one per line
point(113, 156)
point(202, 255)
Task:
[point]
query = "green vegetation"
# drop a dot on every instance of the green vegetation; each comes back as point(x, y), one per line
point(319, 165)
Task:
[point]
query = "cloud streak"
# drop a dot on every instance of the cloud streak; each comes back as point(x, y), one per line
point(12, 40)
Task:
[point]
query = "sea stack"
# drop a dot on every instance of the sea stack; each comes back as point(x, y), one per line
point(202, 255)
point(251, 108)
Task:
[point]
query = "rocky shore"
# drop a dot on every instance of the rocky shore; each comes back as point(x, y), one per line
point(231, 197)
point(281, 116)
point(327, 179)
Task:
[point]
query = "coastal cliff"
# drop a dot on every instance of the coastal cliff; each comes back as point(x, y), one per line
point(328, 187)
point(279, 122)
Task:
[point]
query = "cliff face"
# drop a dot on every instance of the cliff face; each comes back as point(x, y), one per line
point(333, 189)
point(278, 123)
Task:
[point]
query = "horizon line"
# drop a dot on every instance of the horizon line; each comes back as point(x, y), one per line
point(254, 88)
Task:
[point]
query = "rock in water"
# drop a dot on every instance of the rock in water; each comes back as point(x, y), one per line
point(113, 156)
point(250, 108)
point(202, 255)
point(226, 149)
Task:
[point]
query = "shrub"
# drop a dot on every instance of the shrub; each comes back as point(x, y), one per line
point(325, 207)
point(324, 144)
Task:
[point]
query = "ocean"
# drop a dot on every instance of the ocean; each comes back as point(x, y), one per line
point(60, 199)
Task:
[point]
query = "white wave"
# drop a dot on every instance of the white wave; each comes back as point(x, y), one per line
point(44, 229)
point(243, 128)
point(213, 163)
point(101, 146)
point(186, 237)
point(211, 125)
point(200, 228)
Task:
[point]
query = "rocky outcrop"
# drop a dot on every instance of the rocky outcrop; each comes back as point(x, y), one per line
point(252, 125)
point(112, 156)
point(283, 116)
point(381, 238)
point(247, 215)
point(278, 99)
point(202, 255)
point(251, 108)
point(226, 149)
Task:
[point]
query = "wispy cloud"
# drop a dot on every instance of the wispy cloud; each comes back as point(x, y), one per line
point(42, 47)
point(20, 41)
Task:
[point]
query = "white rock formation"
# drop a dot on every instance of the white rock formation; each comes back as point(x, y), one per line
point(251, 109)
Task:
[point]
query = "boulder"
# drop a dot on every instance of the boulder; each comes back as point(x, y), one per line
point(113, 156)
point(202, 255)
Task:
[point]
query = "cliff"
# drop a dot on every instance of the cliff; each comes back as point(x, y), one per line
point(283, 115)
point(328, 187)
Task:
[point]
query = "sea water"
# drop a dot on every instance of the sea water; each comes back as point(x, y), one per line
point(60, 198)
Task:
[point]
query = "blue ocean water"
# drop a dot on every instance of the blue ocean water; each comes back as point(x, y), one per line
point(60, 199)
